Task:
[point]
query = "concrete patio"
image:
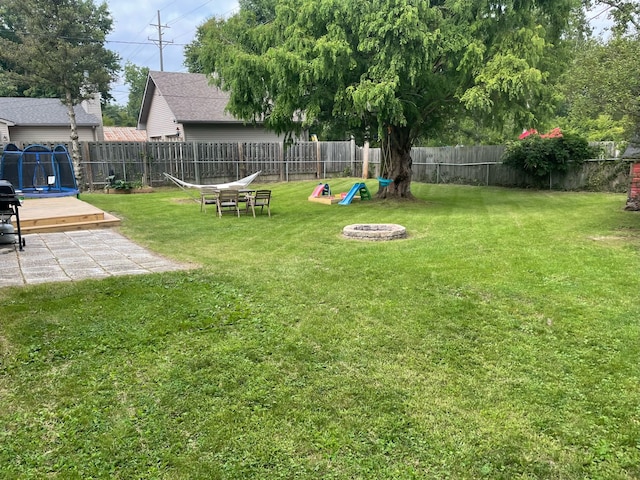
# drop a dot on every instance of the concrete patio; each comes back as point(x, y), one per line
point(68, 239)
point(77, 255)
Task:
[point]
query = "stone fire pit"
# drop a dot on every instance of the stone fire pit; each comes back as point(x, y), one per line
point(375, 231)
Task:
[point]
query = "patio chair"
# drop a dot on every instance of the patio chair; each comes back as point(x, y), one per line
point(227, 200)
point(208, 196)
point(262, 198)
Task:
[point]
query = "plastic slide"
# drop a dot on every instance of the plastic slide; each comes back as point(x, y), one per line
point(319, 190)
point(352, 193)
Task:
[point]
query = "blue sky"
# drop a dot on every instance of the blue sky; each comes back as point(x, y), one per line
point(133, 27)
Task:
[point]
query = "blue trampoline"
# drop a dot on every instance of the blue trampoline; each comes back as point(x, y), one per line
point(39, 171)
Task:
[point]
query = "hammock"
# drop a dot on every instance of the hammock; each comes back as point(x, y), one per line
point(243, 182)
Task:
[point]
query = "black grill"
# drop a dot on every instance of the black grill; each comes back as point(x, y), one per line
point(9, 204)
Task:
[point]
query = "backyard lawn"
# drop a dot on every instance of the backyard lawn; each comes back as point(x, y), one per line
point(501, 340)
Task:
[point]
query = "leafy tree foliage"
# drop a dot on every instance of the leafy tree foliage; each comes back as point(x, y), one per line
point(625, 14)
point(127, 116)
point(136, 78)
point(117, 116)
point(541, 156)
point(397, 69)
point(58, 47)
point(602, 88)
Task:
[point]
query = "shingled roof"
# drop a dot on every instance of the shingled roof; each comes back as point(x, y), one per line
point(189, 96)
point(124, 134)
point(50, 112)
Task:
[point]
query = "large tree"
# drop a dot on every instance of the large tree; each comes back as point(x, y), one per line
point(602, 89)
point(58, 46)
point(626, 17)
point(136, 78)
point(396, 69)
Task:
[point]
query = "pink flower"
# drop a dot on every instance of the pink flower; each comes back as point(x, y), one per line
point(526, 133)
point(555, 133)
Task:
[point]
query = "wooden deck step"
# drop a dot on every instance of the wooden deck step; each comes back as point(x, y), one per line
point(62, 214)
point(62, 219)
point(66, 224)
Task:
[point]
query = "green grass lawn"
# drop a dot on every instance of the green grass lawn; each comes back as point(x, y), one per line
point(500, 340)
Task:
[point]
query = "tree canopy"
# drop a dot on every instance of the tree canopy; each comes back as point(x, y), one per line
point(127, 115)
point(136, 78)
point(58, 47)
point(395, 70)
point(601, 89)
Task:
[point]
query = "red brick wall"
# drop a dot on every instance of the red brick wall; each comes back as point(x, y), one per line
point(634, 193)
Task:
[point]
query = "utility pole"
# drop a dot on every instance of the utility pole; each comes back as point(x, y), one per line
point(158, 41)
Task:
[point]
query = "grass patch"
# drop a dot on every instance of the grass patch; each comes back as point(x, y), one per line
point(500, 340)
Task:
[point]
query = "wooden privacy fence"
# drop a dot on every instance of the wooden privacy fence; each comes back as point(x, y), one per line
point(202, 163)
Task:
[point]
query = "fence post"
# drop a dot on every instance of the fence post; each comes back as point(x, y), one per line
point(87, 164)
point(284, 170)
point(318, 160)
point(196, 166)
point(124, 169)
point(240, 156)
point(242, 169)
point(146, 173)
point(352, 145)
point(365, 160)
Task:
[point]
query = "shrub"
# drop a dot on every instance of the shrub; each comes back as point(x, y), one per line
point(124, 185)
point(544, 155)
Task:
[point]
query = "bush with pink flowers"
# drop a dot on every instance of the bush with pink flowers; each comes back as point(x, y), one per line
point(553, 152)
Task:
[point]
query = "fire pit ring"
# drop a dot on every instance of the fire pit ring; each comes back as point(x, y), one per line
point(375, 231)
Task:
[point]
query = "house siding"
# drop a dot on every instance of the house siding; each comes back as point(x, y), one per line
point(228, 133)
point(38, 134)
point(93, 107)
point(160, 122)
point(4, 132)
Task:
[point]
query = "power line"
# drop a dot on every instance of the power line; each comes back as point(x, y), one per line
point(598, 14)
point(159, 39)
point(189, 13)
point(135, 51)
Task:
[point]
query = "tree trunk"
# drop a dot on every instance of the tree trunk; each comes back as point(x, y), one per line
point(75, 144)
point(396, 164)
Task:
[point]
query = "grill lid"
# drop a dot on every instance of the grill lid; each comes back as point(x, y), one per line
point(6, 189)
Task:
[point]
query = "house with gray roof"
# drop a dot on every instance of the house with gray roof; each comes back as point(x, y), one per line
point(185, 107)
point(46, 120)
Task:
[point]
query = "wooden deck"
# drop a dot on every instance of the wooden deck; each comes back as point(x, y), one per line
point(62, 214)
